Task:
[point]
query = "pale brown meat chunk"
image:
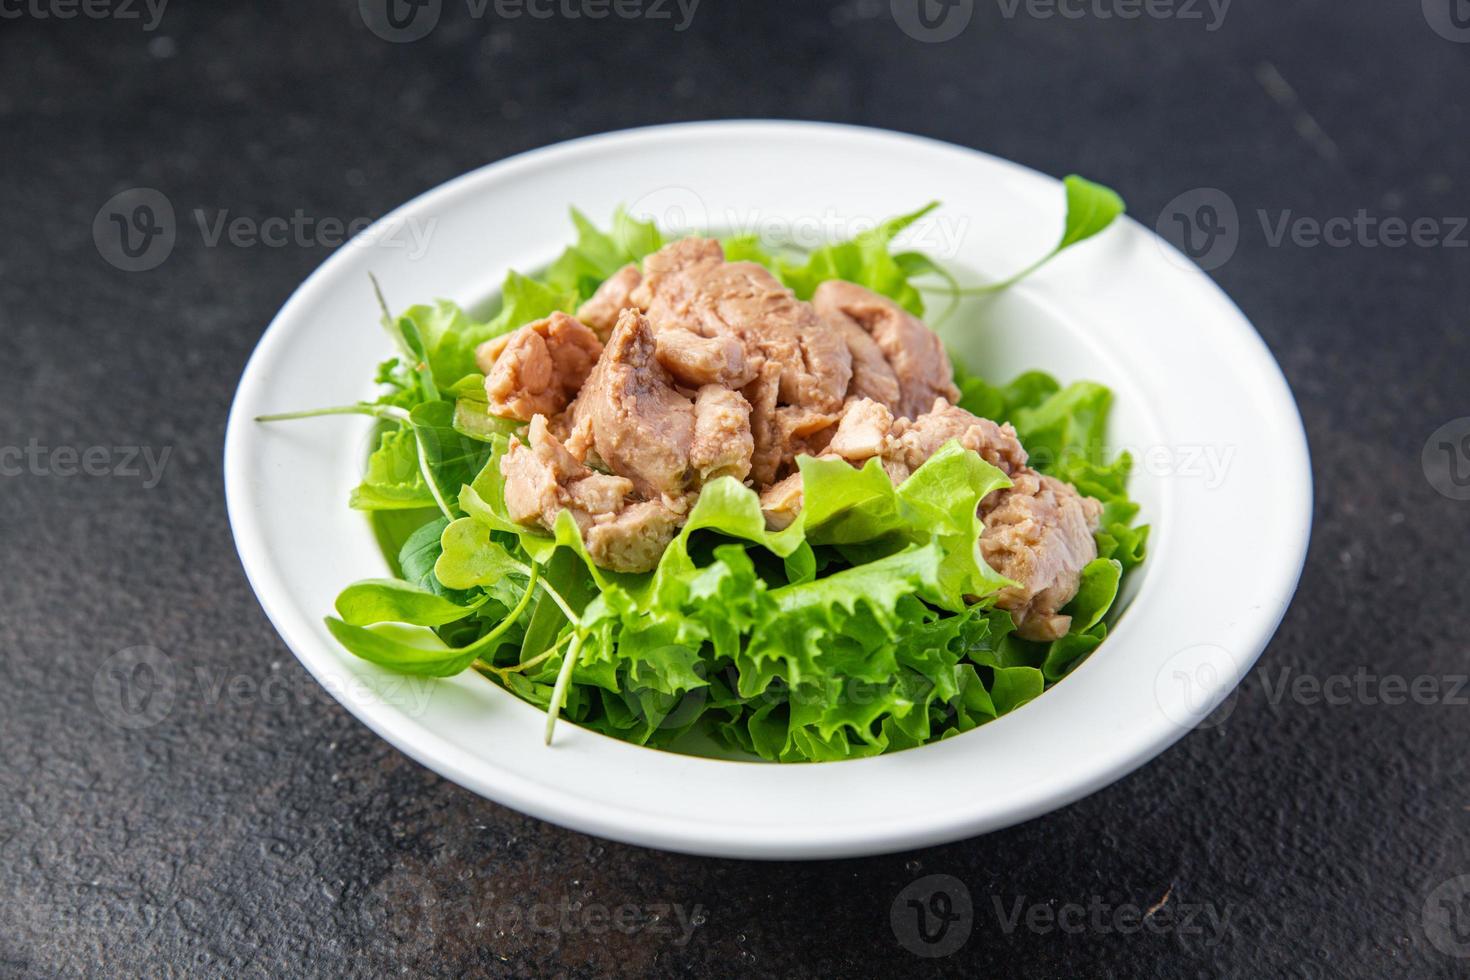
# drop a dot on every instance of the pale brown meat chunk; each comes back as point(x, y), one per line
point(915, 352)
point(694, 360)
point(804, 432)
point(688, 285)
point(537, 369)
point(1039, 533)
point(631, 416)
point(864, 432)
point(872, 375)
point(781, 503)
point(534, 475)
point(668, 288)
point(761, 394)
point(614, 296)
point(598, 493)
point(925, 435)
point(722, 445)
point(633, 540)
point(542, 479)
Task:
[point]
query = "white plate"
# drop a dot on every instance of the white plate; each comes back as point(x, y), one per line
point(1222, 473)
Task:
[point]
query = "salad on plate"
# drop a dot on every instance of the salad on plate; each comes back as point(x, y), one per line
point(713, 496)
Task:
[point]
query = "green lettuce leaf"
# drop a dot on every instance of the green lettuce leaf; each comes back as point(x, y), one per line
point(867, 626)
point(393, 480)
point(390, 601)
point(597, 255)
point(866, 260)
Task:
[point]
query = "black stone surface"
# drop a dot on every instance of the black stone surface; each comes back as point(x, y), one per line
point(258, 829)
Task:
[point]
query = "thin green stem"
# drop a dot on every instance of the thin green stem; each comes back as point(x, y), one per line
point(504, 672)
point(996, 287)
point(563, 680)
point(389, 412)
point(510, 619)
point(566, 609)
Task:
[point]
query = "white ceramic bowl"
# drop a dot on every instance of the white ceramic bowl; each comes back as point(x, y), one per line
point(1222, 473)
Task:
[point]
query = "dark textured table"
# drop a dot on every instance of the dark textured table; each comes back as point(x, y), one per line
point(255, 828)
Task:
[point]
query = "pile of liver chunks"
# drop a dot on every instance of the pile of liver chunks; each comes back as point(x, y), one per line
point(698, 368)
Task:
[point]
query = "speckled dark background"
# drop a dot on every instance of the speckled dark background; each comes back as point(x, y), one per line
point(271, 834)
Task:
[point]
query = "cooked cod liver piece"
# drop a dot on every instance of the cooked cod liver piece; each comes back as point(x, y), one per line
point(694, 360)
point(872, 375)
point(723, 445)
point(1039, 533)
point(633, 540)
point(925, 435)
point(612, 298)
point(543, 478)
point(782, 502)
point(868, 429)
point(537, 369)
point(689, 285)
point(864, 431)
point(915, 352)
point(631, 416)
point(768, 452)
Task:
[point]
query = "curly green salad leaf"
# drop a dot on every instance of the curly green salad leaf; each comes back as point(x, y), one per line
point(853, 632)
